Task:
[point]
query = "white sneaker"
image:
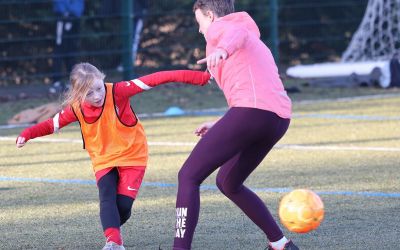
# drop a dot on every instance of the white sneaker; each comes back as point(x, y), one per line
point(113, 246)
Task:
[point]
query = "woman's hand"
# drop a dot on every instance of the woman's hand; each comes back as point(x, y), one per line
point(203, 128)
point(215, 58)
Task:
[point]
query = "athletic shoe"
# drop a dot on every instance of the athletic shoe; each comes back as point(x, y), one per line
point(113, 246)
point(160, 247)
point(288, 246)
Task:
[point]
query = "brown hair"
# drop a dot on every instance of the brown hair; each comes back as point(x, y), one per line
point(219, 7)
point(81, 78)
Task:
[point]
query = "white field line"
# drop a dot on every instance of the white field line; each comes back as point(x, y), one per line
point(337, 148)
point(305, 102)
point(66, 140)
point(349, 99)
point(279, 146)
point(10, 126)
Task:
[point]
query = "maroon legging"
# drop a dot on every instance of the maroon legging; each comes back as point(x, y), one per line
point(237, 143)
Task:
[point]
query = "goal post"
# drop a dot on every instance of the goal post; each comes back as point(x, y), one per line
point(378, 36)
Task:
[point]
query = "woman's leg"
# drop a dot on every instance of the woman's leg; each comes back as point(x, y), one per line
point(229, 136)
point(233, 173)
point(231, 177)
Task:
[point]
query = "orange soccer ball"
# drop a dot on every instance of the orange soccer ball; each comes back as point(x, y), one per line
point(301, 211)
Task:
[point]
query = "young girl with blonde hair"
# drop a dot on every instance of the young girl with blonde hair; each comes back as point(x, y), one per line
point(112, 134)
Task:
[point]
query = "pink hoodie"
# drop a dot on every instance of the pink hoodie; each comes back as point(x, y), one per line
point(249, 76)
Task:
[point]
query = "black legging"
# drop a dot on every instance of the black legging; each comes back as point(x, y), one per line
point(115, 209)
point(237, 144)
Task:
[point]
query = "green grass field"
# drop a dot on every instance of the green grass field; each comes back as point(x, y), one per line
point(348, 150)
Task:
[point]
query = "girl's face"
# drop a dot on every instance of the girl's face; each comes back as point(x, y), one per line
point(96, 94)
point(204, 20)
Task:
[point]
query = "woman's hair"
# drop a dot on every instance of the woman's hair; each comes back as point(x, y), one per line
point(81, 79)
point(219, 7)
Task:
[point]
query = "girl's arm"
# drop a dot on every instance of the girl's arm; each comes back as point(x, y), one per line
point(50, 126)
point(135, 86)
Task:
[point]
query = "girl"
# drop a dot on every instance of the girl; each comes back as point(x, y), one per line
point(112, 135)
point(258, 117)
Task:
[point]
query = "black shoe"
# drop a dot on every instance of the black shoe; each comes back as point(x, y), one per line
point(288, 246)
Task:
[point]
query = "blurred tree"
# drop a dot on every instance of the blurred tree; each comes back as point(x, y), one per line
point(309, 31)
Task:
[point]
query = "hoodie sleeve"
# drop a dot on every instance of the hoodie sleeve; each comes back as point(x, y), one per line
point(227, 36)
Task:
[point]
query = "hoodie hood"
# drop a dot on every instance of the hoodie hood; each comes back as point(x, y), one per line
point(241, 19)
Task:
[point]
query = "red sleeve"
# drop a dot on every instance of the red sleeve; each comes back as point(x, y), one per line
point(66, 116)
point(40, 129)
point(51, 125)
point(135, 86)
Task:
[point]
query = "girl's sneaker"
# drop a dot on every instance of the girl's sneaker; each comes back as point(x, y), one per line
point(113, 246)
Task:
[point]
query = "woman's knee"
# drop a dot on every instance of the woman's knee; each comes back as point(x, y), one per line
point(219, 182)
point(225, 187)
point(186, 175)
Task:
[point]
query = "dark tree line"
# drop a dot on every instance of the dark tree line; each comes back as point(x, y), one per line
point(309, 31)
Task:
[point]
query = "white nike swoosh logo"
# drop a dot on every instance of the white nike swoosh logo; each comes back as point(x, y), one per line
point(128, 84)
point(131, 189)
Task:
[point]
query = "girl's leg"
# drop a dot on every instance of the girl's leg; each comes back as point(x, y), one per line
point(229, 136)
point(233, 173)
point(109, 214)
point(130, 180)
point(107, 185)
point(124, 204)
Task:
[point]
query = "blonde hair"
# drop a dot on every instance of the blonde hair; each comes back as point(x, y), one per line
point(81, 79)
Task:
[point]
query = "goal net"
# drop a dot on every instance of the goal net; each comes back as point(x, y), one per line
point(378, 36)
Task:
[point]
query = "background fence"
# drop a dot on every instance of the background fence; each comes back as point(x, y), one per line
point(304, 31)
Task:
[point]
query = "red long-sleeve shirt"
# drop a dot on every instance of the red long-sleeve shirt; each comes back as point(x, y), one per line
point(122, 91)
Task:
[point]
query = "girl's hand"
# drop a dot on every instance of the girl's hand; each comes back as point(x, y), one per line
point(215, 58)
point(203, 128)
point(20, 141)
